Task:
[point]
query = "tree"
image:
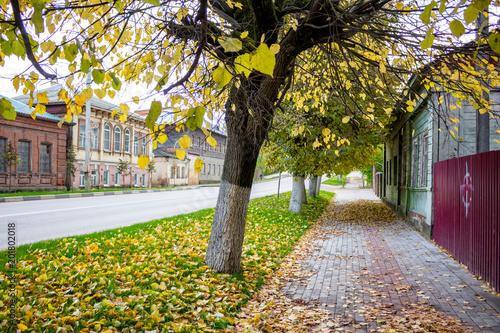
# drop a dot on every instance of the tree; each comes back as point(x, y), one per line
point(150, 168)
point(208, 55)
point(123, 169)
point(70, 164)
point(11, 158)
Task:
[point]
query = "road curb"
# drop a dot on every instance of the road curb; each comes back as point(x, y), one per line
point(98, 194)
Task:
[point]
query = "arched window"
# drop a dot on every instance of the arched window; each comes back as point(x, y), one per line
point(127, 140)
point(107, 137)
point(118, 138)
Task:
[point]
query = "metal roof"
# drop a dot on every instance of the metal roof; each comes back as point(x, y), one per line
point(25, 110)
point(163, 153)
point(54, 99)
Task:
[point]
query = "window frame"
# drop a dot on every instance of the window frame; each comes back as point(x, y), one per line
point(136, 145)
point(127, 141)
point(414, 161)
point(424, 148)
point(105, 180)
point(117, 139)
point(81, 136)
point(107, 142)
point(21, 167)
point(44, 168)
point(3, 162)
point(94, 142)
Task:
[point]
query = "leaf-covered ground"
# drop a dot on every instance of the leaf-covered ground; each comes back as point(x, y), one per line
point(149, 277)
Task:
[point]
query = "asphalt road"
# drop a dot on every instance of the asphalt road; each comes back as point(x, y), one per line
point(49, 219)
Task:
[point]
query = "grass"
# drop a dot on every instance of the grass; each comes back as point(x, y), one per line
point(22, 194)
point(333, 181)
point(150, 275)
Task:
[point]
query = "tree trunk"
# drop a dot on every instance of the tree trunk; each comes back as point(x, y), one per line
point(318, 184)
point(298, 194)
point(313, 180)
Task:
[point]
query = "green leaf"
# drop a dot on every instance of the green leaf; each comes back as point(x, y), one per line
point(263, 60)
point(7, 110)
point(426, 14)
point(85, 65)
point(154, 113)
point(153, 2)
point(481, 5)
point(470, 14)
point(242, 64)
point(222, 76)
point(442, 6)
point(429, 39)
point(231, 44)
point(70, 52)
point(195, 118)
point(115, 83)
point(98, 75)
point(457, 28)
point(18, 48)
point(37, 18)
point(494, 41)
point(6, 46)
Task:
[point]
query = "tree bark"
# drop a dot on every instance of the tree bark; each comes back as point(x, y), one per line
point(318, 184)
point(313, 180)
point(298, 194)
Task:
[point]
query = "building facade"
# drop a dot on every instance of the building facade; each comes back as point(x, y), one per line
point(111, 142)
point(41, 148)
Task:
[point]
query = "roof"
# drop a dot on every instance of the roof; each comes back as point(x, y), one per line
point(54, 99)
point(164, 153)
point(26, 110)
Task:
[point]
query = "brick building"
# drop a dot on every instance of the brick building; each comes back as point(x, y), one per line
point(41, 147)
point(111, 141)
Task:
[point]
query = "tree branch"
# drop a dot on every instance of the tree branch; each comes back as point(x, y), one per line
point(26, 40)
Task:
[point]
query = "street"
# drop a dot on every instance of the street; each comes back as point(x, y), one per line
point(49, 219)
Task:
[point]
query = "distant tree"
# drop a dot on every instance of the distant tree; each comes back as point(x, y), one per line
point(123, 169)
point(70, 164)
point(150, 168)
point(11, 158)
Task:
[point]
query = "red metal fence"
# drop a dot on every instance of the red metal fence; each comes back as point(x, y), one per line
point(467, 212)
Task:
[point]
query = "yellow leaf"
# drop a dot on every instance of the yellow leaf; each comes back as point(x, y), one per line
point(68, 118)
point(198, 165)
point(33, 114)
point(100, 93)
point(42, 97)
point(22, 327)
point(111, 93)
point(87, 93)
point(222, 76)
point(185, 142)
point(40, 108)
point(383, 70)
point(124, 108)
point(162, 138)
point(181, 154)
point(15, 82)
point(114, 113)
point(211, 141)
point(123, 117)
point(326, 131)
point(143, 162)
point(275, 48)
point(263, 60)
point(244, 34)
point(80, 100)
point(242, 64)
point(136, 99)
point(346, 119)
point(231, 44)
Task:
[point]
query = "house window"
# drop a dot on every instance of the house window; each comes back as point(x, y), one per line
point(219, 169)
point(107, 137)
point(82, 178)
point(423, 159)
point(94, 143)
point(182, 173)
point(3, 148)
point(118, 138)
point(82, 136)
point(199, 142)
point(136, 179)
point(136, 145)
point(93, 177)
point(144, 179)
point(45, 158)
point(172, 172)
point(127, 140)
point(106, 178)
point(117, 178)
point(144, 145)
point(215, 174)
point(203, 171)
point(24, 152)
point(414, 161)
point(208, 169)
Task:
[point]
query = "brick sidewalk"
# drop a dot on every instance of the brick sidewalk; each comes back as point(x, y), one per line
point(359, 268)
